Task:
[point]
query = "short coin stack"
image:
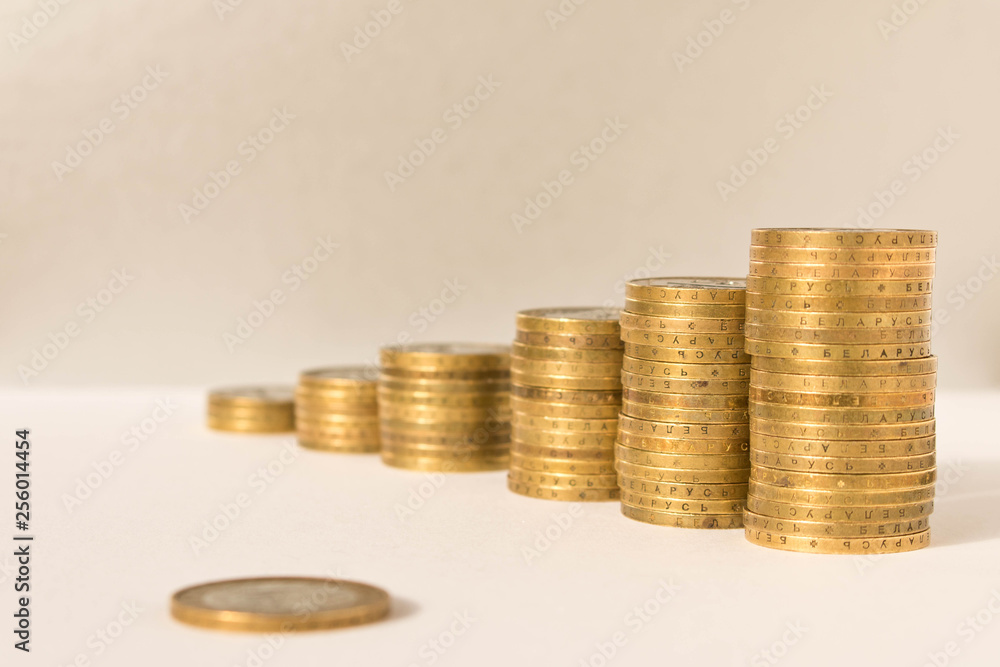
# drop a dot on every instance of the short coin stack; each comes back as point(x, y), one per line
point(842, 390)
point(682, 453)
point(252, 409)
point(336, 410)
point(566, 393)
point(445, 407)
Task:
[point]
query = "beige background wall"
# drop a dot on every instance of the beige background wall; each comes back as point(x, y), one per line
point(651, 199)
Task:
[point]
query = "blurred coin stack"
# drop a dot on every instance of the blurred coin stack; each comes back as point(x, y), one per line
point(565, 396)
point(252, 409)
point(337, 410)
point(445, 407)
point(682, 453)
point(842, 390)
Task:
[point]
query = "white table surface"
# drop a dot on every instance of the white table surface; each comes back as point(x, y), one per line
point(462, 553)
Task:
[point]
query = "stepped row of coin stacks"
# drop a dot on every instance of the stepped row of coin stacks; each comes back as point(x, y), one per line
point(566, 394)
point(336, 410)
point(252, 409)
point(445, 407)
point(682, 453)
point(842, 390)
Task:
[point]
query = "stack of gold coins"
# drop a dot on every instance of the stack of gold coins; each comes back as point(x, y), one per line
point(566, 393)
point(252, 409)
point(842, 390)
point(445, 407)
point(682, 453)
point(336, 410)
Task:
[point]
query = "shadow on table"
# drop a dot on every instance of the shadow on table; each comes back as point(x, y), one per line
point(402, 608)
point(967, 499)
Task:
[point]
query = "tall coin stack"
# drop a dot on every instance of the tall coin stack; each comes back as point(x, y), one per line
point(252, 409)
point(682, 453)
point(445, 407)
point(566, 393)
point(336, 410)
point(842, 390)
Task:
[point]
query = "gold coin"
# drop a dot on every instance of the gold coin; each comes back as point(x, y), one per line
point(859, 497)
point(345, 378)
point(690, 387)
point(847, 352)
point(784, 429)
point(839, 304)
point(839, 321)
point(842, 482)
point(705, 521)
point(839, 336)
point(842, 384)
point(680, 446)
point(534, 436)
point(875, 239)
point(685, 340)
point(253, 397)
point(567, 354)
point(872, 367)
point(649, 427)
point(279, 604)
point(475, 387)
point(684, 355)
point(579, 341)
point(445, 400)
point(406, 374)
point(565, 382)
point(572, 466)
point(839, 545)
point(575, 397)
point(555, 452)
point(681, 506)
point(683, 415)
point(340, 446)
point(685, 371)
point(483, 437)
point(446, 356)
point(692, 325)
point(697, 492)
point(564, 368)
point(562, 480)
point(690, 401)
point(842, 465)
point(834, 528)
point(489, 424)
point(837, 415)
point(595, 494)
point(309, 406)
point(814, 271)
point(436, 414)
point(646, 459)
point(343, 433)
point(808, 287)
point(591, 320)
point(845, 256)
point(871, 514)
point(436, 464)
point(848, 400)
point(650, 479)
point(687, 290)
point(564, 425)
point(250, 426)
point(843, 448)
point(336, 419)
point(460, 453)
point(527, 406)
point(685, 311)
point(252, 414)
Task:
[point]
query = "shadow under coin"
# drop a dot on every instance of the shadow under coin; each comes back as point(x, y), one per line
point(402, 608)
point(966, 502)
